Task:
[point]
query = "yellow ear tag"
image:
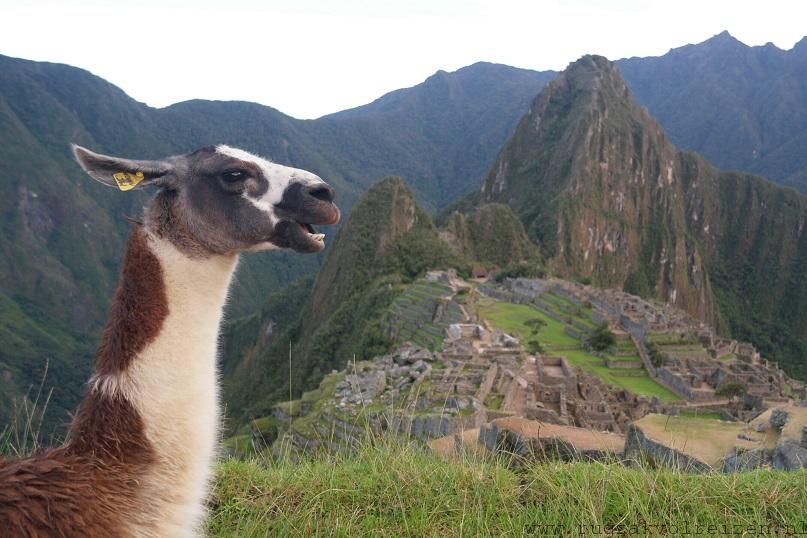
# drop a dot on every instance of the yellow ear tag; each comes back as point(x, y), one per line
point(127, 181)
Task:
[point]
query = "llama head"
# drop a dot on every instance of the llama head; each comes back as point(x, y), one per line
point(223, 200)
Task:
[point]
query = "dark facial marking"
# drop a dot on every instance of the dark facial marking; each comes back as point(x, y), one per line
point(210, 209)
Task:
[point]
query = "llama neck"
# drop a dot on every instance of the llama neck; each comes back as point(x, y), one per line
point(168, 373)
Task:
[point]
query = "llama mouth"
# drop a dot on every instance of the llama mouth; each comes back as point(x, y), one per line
point(297, 236)
point(307, 228)
point(296, 230)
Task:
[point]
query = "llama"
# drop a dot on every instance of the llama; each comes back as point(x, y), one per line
point(138, 457)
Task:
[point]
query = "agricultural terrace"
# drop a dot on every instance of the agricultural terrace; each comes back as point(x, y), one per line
point(555, 340)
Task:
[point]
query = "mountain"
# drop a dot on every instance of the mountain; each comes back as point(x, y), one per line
point(743, 108)
point(63, 235)
point(607, 196)
point(446, 129)
point(387, 242)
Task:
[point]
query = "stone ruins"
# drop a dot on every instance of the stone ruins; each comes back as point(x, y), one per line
point(484, 390)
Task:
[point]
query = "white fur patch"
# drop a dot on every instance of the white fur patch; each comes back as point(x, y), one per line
point(279, 177)
point(173, 383)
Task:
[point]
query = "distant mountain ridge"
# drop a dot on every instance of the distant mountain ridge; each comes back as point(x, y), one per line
point(62, 236)
point(743, 108)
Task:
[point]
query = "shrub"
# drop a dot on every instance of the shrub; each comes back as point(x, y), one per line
point(657, 358)
point(731, 390)
point(601, 339)
point(534, 346)
point(535, 324)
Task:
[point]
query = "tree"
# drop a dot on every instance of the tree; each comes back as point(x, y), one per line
point(601, 339)
point(534, 347)
point(657, 358)
point(535, 324)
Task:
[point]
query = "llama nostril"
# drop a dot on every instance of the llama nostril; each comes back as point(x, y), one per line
point(322, 192)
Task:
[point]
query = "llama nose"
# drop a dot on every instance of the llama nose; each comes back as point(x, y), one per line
point(321, 191)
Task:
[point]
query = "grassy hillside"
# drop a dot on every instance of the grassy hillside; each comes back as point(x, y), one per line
point(397, 490)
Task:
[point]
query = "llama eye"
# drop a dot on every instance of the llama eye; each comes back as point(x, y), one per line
point(231, 176)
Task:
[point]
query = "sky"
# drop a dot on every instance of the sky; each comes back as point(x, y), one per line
point(310, 58)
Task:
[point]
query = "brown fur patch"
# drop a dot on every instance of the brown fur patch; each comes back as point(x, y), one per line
point(88, 487)
point(138, 310)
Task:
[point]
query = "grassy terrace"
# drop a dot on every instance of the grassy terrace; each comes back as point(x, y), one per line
point(668, 339)
point(396, 490)
point(701, 436)
point(564, 308)
point(414, 309)
point(512, 317)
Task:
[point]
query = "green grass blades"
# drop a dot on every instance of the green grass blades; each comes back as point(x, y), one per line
point(392, 489)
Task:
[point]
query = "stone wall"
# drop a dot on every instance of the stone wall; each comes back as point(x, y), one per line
point(487, 383)
point(640, 448)
point(675, 382)
point(434, 425)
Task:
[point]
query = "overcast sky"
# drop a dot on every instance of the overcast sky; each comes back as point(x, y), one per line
point(309, 58)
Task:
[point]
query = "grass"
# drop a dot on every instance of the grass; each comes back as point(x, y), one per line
point(702, 414)
point(703, 437)
point(401, 490)
point(494, 401)
point(635, 380)
point(411, 313)
point(512, 318)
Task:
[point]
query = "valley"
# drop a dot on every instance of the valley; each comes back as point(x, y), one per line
point(485, 387)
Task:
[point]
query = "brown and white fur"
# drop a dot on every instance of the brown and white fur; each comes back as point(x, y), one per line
point(140, 450)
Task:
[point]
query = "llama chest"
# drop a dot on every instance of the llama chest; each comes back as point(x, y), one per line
point(173, 383)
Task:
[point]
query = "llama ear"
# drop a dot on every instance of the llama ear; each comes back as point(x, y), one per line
point(125, 174)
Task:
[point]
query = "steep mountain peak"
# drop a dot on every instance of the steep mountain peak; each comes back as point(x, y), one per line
point(588, 170)
point(593, 73)
point(575, 120)
point(606, 196)
point(801, 46)
point(383, 215)
point(724, 38)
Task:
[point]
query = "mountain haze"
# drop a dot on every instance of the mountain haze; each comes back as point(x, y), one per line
point(607, 196)
point(63, 234)
point(447, 129)
point(743, 108)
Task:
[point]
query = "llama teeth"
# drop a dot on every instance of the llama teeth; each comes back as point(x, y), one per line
point(318, 237)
